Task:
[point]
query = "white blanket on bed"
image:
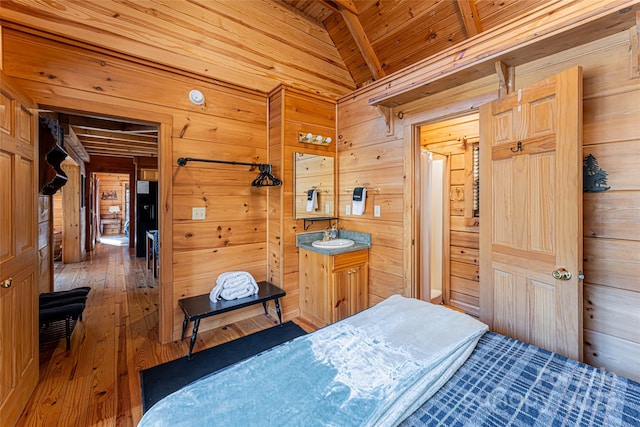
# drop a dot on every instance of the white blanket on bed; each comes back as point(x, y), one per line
point(372, 369)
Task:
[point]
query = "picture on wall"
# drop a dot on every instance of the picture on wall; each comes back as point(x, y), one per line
point(109, 195)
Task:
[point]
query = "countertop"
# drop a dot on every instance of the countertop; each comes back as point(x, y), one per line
point(362, 241)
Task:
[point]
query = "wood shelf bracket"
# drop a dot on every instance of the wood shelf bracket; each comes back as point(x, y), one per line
point(387, 115)
point(506, 78)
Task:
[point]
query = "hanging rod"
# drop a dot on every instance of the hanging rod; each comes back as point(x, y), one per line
point(264, 179)
point(182, 161)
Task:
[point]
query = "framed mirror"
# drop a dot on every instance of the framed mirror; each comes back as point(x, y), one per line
point(313, 173)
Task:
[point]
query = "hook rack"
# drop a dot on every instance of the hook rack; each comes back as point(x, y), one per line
point(375, 189)
point(264, 179)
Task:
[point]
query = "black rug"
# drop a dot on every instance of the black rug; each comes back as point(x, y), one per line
point(162, 380)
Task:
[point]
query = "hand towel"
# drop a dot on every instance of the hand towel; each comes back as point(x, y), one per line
point(359, 199)
point(312, 200)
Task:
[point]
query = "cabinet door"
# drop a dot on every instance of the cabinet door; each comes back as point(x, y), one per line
point(359, 289)
point(314, 296)
point(341, 296)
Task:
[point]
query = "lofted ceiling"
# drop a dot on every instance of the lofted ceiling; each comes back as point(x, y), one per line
point(328, 47)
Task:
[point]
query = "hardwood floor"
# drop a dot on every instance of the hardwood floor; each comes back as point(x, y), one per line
point(97, 381)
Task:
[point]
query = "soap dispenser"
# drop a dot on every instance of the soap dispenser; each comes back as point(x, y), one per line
point(333, 233)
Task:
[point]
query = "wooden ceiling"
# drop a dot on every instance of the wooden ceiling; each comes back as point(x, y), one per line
point(109, 137)
point(328, 47)
point(376, 38)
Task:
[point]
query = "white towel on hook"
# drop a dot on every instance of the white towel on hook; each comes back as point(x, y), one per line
point(359, 200)
point(312, 200)
point(233, 285)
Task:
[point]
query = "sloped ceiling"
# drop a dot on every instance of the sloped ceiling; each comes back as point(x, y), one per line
point(329, 47)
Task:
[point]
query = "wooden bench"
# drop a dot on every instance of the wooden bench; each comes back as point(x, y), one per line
point(200, 307)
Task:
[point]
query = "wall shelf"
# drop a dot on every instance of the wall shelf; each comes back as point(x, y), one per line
point(309, 221)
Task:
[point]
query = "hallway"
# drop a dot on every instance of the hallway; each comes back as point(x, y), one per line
point(97, 381)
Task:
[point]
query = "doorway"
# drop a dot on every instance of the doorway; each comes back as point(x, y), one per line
point(433, 168)
point(446, 215)
point(112, 208)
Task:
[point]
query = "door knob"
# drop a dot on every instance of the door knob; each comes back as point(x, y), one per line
point(6, 283)
point(562, 274)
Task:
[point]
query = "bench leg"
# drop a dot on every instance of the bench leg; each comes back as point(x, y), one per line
point(68, 331)
point(278, 311)
point(196, 324)
point(264, 304)
point(184, 327)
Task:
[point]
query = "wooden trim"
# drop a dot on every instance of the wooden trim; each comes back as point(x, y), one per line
point(634, 49)
point(485, 300)
point(166, 311)
point(411, 212)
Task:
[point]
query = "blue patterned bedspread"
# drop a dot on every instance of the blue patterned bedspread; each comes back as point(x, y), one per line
point(509, 383)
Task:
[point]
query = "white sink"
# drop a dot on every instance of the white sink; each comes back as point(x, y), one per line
point(333, 244)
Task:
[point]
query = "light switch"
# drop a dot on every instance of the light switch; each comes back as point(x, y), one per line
point(198, 213)
point(348, 210)
point(376, 211)
point(327, 208)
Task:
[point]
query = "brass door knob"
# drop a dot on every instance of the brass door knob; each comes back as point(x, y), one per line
point(562, 274)
point(6, 283)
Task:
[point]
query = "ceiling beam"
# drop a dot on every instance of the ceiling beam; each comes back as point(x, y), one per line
point(348, 5)
point(470, 18)
point(84, 134)
point(71, 139)
point(114, 125)
point(350, 15)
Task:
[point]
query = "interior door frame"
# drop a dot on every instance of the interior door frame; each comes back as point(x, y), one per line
point(111, 108)
point(412, 147)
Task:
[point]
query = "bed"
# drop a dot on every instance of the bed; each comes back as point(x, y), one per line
point(403, 362)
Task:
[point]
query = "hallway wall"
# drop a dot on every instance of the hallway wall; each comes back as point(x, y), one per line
point(231, 126)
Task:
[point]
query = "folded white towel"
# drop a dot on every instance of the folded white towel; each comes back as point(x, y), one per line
point(233, 285)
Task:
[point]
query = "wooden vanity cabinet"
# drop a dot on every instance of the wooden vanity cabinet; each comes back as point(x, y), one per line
point(333, 287)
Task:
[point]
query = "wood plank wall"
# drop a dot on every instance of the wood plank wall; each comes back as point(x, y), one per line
point(292, 111)
point(45, 243)
point(231, 126)
point(368, 157)
point(611, 218)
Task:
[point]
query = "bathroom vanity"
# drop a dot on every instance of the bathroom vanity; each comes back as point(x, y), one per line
point(334, 282)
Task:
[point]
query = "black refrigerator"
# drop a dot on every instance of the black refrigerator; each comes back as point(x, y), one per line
point(146, 213)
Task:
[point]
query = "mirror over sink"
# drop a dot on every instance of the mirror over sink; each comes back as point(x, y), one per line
point(314, 194)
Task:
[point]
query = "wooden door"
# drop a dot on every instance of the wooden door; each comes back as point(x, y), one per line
point(531, 205)
point(18, 251)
